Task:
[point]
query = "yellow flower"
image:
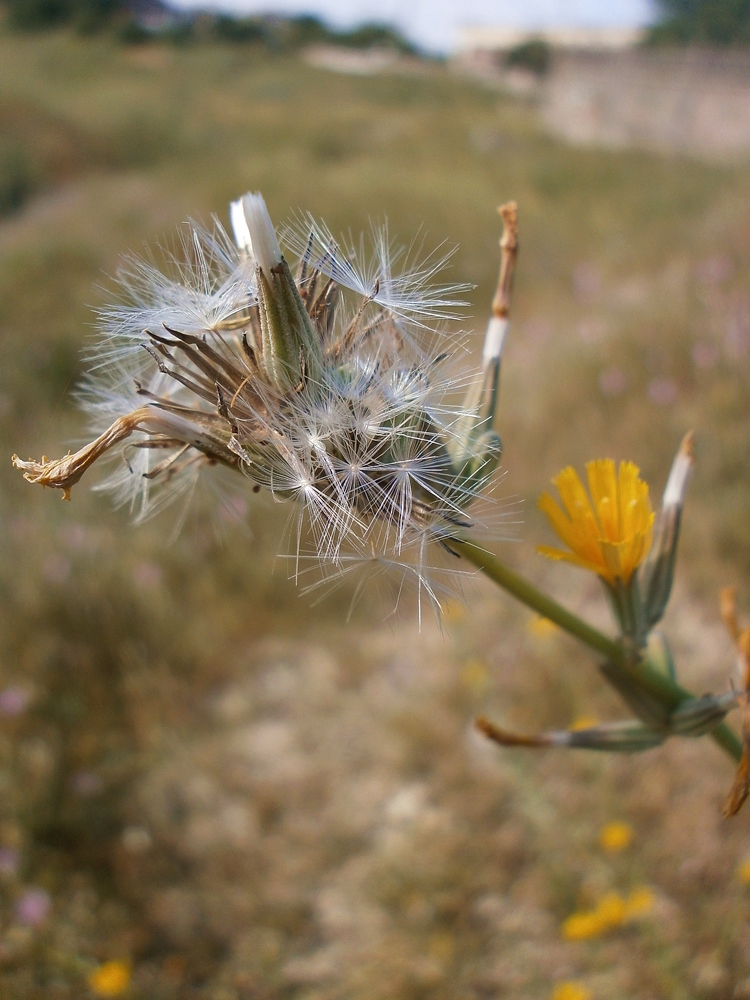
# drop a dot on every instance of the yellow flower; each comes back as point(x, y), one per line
point(110, 979)
point(610, 536)
point(584, 722)
point(743, 872)
point(570, 990)
point(582, 925)
point(475, 676)
point(609, 912)
point(542, 627)
point(639, 903)
point(615, 837)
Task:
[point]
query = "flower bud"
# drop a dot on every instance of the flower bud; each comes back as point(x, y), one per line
point(627, 736)
point(698, 716)
point(657, 572)
point(253, 231)
point(290, 349)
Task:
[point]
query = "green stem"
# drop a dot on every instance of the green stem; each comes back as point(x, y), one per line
point(662, 687)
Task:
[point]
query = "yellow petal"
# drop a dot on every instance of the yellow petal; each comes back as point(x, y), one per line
point(562, 556)
point(561, 525)
point(573, 495)
point(581, 531)
point(613, 560)
point(603, 486)
point(630, 496)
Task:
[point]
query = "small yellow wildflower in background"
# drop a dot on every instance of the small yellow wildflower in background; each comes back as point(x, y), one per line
point(743, 872)
point(615, 837)
point(582, 925)
point(110, 979)
point(475, 676)
point(584, 722)
point(571, 990)
point(542, 627)
point(611, 911)
point(610, 536)
point(639, 903)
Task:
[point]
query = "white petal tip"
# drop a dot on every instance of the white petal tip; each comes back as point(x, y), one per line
point(494, 339)
point(252, 223)
point(679, 475)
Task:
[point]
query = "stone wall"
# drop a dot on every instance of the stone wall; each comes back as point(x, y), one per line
point(695, 102)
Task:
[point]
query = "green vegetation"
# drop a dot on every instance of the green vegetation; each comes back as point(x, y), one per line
point(163, 23)
point(86, 15)
point(702, 22)
point(534, 55)
point(243, 791)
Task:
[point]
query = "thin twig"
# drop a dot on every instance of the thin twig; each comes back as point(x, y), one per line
point(508, 252)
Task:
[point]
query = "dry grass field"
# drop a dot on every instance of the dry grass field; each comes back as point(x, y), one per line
point(247, 796)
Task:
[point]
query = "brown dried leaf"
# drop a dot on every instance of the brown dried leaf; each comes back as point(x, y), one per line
point(505, 738)
point(741, 787)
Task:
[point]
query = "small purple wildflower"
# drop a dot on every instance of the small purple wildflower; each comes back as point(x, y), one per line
point(32, 907)
point(14, 700)
point(9, 861)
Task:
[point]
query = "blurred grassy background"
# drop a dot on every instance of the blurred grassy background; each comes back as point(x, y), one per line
point(247, 796)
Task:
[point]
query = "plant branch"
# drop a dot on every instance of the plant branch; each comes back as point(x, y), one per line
point(657, 684)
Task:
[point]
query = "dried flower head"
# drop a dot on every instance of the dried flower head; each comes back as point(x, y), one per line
point(325, 386)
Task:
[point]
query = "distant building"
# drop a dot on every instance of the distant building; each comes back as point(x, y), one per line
point(690, 101)
point(503, 38)
point(600, 88)
point(353, 62)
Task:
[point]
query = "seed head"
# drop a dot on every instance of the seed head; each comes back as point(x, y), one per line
point(328, 387)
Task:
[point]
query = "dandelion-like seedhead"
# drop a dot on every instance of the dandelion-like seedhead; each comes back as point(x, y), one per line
point(330, 387)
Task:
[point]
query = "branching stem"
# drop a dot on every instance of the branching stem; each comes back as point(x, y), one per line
point(657, 684)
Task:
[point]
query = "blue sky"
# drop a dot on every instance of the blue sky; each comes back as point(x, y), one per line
point(434, 23)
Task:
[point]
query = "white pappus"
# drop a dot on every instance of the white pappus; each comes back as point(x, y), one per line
point(328, 387)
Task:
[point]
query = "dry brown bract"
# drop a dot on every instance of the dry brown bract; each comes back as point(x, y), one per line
point(741, 638)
